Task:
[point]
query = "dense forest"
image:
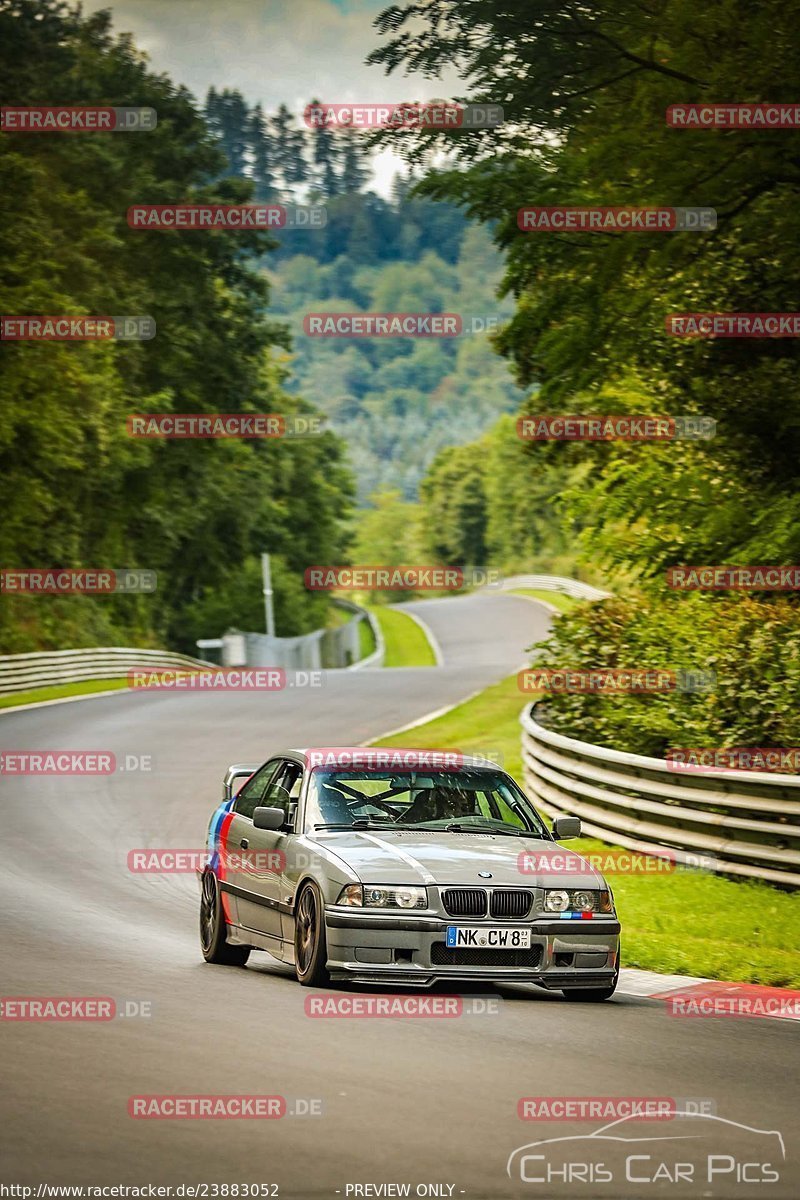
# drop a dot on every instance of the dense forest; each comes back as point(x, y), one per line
point(585, 89)
point(75, 489)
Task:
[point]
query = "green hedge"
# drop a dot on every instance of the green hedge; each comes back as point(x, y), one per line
point(752, 644)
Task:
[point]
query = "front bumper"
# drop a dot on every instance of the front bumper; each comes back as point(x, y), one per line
point(410, 950)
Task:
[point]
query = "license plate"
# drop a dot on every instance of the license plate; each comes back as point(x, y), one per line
point(483, 936)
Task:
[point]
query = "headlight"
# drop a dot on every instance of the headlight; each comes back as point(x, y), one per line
point(556, 901)
point(375, 896)
point(582, 900)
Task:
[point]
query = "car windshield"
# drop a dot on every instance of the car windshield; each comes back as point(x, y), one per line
point(475, 800)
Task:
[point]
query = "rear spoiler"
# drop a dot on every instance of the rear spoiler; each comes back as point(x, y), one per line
point(235, 776)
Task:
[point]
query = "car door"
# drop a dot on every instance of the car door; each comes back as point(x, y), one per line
point(259, 882)
point(237, 833)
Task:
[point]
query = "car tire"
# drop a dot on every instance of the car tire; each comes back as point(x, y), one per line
point(214, 929)
point(310, 944)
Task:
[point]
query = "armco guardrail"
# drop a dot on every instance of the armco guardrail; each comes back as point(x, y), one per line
point(22, 672)
point(322, 649)
point(746, 822)
point(555, 583)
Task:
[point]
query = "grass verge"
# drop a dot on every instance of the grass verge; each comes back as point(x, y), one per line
point(366, 640)
point(558, 600)
point(406, 643)
point(59, 691)
point(683, 922)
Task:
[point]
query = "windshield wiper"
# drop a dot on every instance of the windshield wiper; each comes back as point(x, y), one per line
point(359, 823)
point(457, 827)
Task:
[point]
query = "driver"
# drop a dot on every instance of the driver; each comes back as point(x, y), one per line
point(439, 804)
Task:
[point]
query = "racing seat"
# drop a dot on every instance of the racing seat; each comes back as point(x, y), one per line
point(333, 806)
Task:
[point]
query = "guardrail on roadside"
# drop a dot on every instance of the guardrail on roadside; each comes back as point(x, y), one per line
point(321, 649)
point(375, 659)
point(23, 672)
point(746, 822)
point(555, 583)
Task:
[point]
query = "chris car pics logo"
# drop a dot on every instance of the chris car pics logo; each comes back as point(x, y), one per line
point(698, 1149)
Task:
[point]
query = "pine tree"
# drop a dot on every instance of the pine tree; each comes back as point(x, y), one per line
point(296, 165)
point(260, 154)
point(281, 143)
point(234, 131)
point(326, 157)
point(355, 162)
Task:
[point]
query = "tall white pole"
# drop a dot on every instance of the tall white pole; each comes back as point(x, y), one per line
point(267, 589)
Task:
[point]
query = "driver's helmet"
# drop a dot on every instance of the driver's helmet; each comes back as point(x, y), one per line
point(332, 805)
point(451, 802)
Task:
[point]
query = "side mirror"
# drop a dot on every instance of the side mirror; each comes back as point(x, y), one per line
point(564, 828)
point(268, 818)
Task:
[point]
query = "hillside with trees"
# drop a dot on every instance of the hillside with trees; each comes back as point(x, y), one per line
point(396, 402)
point(585, 89)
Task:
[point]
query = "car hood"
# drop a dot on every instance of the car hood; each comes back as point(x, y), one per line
point(454, 859)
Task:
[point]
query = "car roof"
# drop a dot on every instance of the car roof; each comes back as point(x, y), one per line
point(397, 757)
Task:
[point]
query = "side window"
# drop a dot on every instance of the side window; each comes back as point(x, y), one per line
point(252, 794)
point(284, 790)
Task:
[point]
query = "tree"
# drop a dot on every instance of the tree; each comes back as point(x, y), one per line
point(453, 502)
point(75, 489)
point(584, 88)
point(326, 156)
point(261, 171)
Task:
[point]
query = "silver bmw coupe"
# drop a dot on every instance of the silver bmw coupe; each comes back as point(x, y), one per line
point(386, 866)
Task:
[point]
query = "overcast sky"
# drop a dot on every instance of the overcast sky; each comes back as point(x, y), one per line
point(273, 51)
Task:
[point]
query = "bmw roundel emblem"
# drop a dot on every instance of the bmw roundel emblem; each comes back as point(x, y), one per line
point(484, 874)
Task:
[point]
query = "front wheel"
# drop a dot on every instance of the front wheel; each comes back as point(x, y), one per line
point(310, 947)
point(214, 930)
